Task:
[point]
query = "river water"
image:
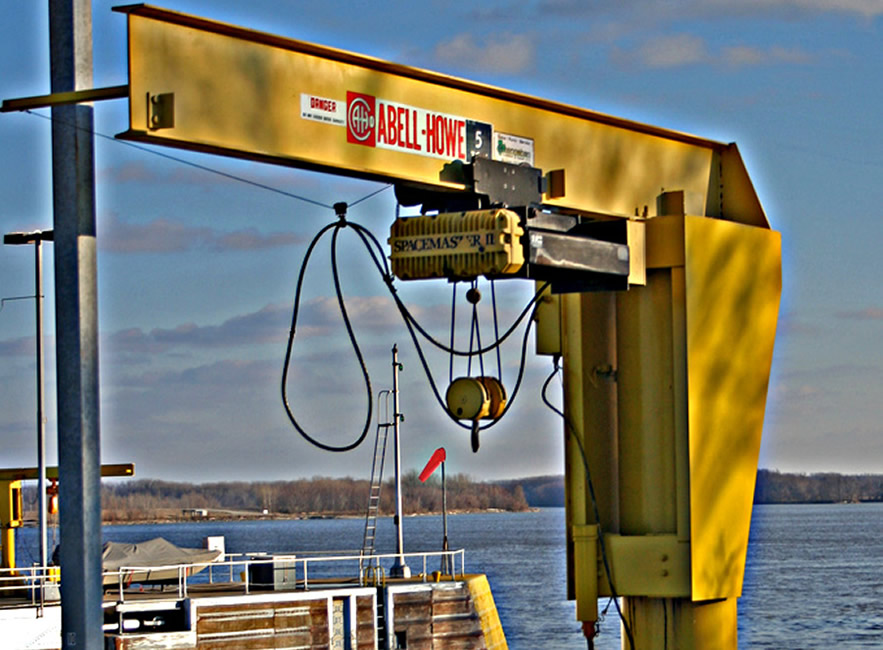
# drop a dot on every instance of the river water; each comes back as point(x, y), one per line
point(814, 575)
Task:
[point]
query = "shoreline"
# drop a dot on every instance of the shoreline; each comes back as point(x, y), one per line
point(178, 518)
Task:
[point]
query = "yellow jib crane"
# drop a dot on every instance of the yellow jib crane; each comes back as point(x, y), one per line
point(666, 342)
point(664, 279)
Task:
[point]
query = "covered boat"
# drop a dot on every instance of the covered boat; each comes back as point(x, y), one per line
point(156, 560)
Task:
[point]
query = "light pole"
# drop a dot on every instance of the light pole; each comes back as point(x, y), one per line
point(400, 568)
point(36, 238)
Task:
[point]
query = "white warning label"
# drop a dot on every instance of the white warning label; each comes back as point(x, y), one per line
point(322, 109)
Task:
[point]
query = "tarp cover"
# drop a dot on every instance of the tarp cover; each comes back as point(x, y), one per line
point(152, 553)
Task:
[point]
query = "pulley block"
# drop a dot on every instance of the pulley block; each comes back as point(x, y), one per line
point(468, 399)
point(476, 398)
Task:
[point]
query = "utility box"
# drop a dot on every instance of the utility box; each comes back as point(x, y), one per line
point(215, 543)
point(272, 573)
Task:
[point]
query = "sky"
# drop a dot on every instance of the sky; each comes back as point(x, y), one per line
point(197, 271)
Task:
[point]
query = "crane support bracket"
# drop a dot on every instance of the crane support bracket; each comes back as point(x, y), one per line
point(571, 253)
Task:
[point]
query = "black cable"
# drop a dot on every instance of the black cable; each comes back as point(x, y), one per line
point(450, 350)
point(474, 331)
point(373, 247)
point(571, 431)
point(496, 329)
point(453, 327)
point(3, 301)
point(437, 394)
point(367, 236)
point(478, 333)
point(371, 243)
point(288, 350)
point(370, 195)
point(414, 327)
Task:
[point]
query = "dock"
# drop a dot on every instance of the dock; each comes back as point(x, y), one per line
point(256, 600)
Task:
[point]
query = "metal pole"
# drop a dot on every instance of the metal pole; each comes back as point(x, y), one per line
point(41, 419)
point(399, 568)
point(76, 327)
point(446, 561)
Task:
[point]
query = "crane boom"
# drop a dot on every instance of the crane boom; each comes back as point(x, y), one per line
point(214, 87)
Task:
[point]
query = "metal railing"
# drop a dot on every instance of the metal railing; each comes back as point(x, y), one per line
point(241, 570)
point(34, 585)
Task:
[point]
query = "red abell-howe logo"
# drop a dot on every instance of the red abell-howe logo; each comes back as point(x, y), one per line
point(360, 119)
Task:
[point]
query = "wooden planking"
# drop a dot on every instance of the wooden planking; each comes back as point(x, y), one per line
point(366, 623)
point(267, 625)
point(163, 641)
point(438, 616)
point(455, 623)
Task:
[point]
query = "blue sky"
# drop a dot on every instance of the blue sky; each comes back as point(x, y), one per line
point(197, 272)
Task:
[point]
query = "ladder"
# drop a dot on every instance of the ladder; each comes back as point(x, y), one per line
point(384, 422)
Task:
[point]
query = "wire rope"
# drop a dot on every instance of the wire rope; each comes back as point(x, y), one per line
point(205, 168)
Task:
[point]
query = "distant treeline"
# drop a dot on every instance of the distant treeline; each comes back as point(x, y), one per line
point(776, 487)
point(539, 491)
point(772, 487)
point(141, 499)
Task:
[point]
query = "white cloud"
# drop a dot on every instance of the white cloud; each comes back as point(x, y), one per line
point(673, 51)
point(166, 235)
point(501, 53)
point(372, 312)
point(741, 55)
point(871, 313)
point(679, 50)
point(865, 8)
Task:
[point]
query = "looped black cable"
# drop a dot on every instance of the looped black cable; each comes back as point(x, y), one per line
point(437, 394)
point(467, 353)
point(288, 350)
point(371, 243)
